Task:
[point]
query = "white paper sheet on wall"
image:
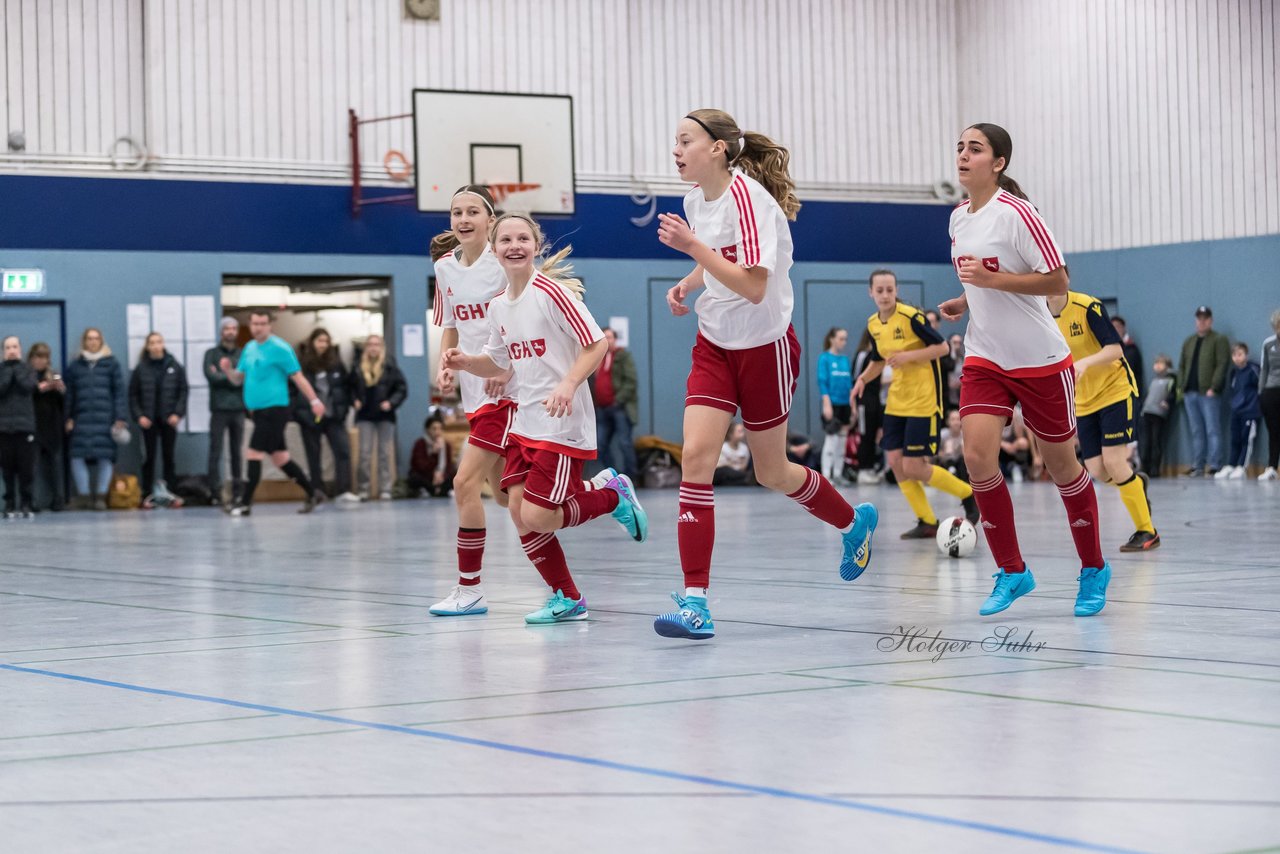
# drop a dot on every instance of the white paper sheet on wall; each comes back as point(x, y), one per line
point(413, 340)
point(198, 316)
point(135, 350)
point(197, 420)
point(195, 363)
point(139, 319)
point(166, 318)
point(621, 327)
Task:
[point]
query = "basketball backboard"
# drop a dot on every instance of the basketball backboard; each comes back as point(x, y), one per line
point(493, 138)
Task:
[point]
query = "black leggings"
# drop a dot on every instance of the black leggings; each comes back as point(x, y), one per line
point(18, 460)
point(1270, 401)
point(167, 436)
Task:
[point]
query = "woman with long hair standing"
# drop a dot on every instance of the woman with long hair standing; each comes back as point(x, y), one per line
point(378, 389)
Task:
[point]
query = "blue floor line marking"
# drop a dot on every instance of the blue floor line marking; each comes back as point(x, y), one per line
point(769, 791)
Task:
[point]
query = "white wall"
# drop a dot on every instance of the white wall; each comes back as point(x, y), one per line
point(1134, 123)
point(862, 92)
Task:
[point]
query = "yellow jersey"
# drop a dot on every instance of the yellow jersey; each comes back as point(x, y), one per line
point(1087, 327)
point(916, 390)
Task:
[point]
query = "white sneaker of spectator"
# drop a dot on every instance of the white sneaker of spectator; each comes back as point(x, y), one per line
point(1269, 474)
point(1236, 473)
point(348, 497)
point(868, 476)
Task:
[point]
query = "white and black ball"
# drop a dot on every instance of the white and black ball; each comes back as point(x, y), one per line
point(957, 537)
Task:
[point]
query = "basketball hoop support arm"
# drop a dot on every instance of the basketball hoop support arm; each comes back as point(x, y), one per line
point(353, 133)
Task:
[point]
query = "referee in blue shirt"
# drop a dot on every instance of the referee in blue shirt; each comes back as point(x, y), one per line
point(266, 365)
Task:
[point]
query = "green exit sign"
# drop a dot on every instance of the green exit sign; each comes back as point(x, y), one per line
point(23, 282)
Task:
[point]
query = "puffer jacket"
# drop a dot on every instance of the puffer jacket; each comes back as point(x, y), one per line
point(158, 400)
point(97, 397)
point(17, 404)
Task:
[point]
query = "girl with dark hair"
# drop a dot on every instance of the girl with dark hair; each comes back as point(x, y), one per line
point(1009, 263)
point(17, 430)
point(322, 366)
point(835, 377)
point(50, 403)
point(746, 356)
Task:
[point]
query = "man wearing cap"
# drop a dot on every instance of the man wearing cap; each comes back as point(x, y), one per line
point(226, 411)
point(1202, 376)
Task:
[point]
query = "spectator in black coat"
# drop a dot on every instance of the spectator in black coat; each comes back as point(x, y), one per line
point(17, 430)
point(50, 403)
point(1132, 354)
point(323, 368)
point(377, 389)
point(97, 406)
point(158, 401)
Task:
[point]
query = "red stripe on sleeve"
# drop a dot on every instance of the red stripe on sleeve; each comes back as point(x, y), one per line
point(746, 223)
point(1038, 232)
point(561, 299)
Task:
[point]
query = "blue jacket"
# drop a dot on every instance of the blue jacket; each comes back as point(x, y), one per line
point(97, 397)
point(1242, 385)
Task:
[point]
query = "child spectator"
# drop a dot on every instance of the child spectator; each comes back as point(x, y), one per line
point(1162, 394)
point(951, 447)
point(1242, 386)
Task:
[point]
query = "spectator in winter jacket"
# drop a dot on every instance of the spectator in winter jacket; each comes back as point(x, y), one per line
point(17, 430)
point(378, 389)
point(50, 405)
point(323, 368)
point(1202, 377)
point(97, 404)
point(226, 412)
point(1129, 348)
point(1242, 386)
point(1162, 394)
point(158, 401)
point(431, 465)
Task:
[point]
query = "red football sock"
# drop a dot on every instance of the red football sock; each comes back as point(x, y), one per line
point(1082, 513)
point(470, 555)
point(696, 532)
point(547, 557)
point(585, 506)
point(996, 508)
point(820, 498)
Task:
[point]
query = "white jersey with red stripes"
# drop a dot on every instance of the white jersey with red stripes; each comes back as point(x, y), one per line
point(541, 333)
point(462, 302)
point(747, 226)
point(1012, 333)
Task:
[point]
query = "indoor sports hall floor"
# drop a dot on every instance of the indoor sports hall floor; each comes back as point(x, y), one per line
point(183, 681)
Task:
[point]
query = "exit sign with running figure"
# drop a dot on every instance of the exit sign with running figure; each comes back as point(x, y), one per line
point(23, 282)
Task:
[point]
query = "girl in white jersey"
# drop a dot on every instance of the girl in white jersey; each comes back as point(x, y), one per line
point(539, 328)
point(468, 276)
point(1009, 263)
point(747, 356)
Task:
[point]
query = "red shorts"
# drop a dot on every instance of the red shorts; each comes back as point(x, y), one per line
point(1048, 402)
point(549, 478)
point(760, 381)
point(491, 428)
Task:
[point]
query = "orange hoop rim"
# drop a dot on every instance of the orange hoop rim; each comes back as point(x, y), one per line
point(400, 173)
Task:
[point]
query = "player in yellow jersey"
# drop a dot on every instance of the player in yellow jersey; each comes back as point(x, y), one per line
point(1106, 392)
point(903, 340)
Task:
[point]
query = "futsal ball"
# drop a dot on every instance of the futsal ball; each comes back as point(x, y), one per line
point(956, 537)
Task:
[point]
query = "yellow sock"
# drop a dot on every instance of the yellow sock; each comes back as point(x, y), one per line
point(1134, 496)
point(945, 481)
point(914, 492)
